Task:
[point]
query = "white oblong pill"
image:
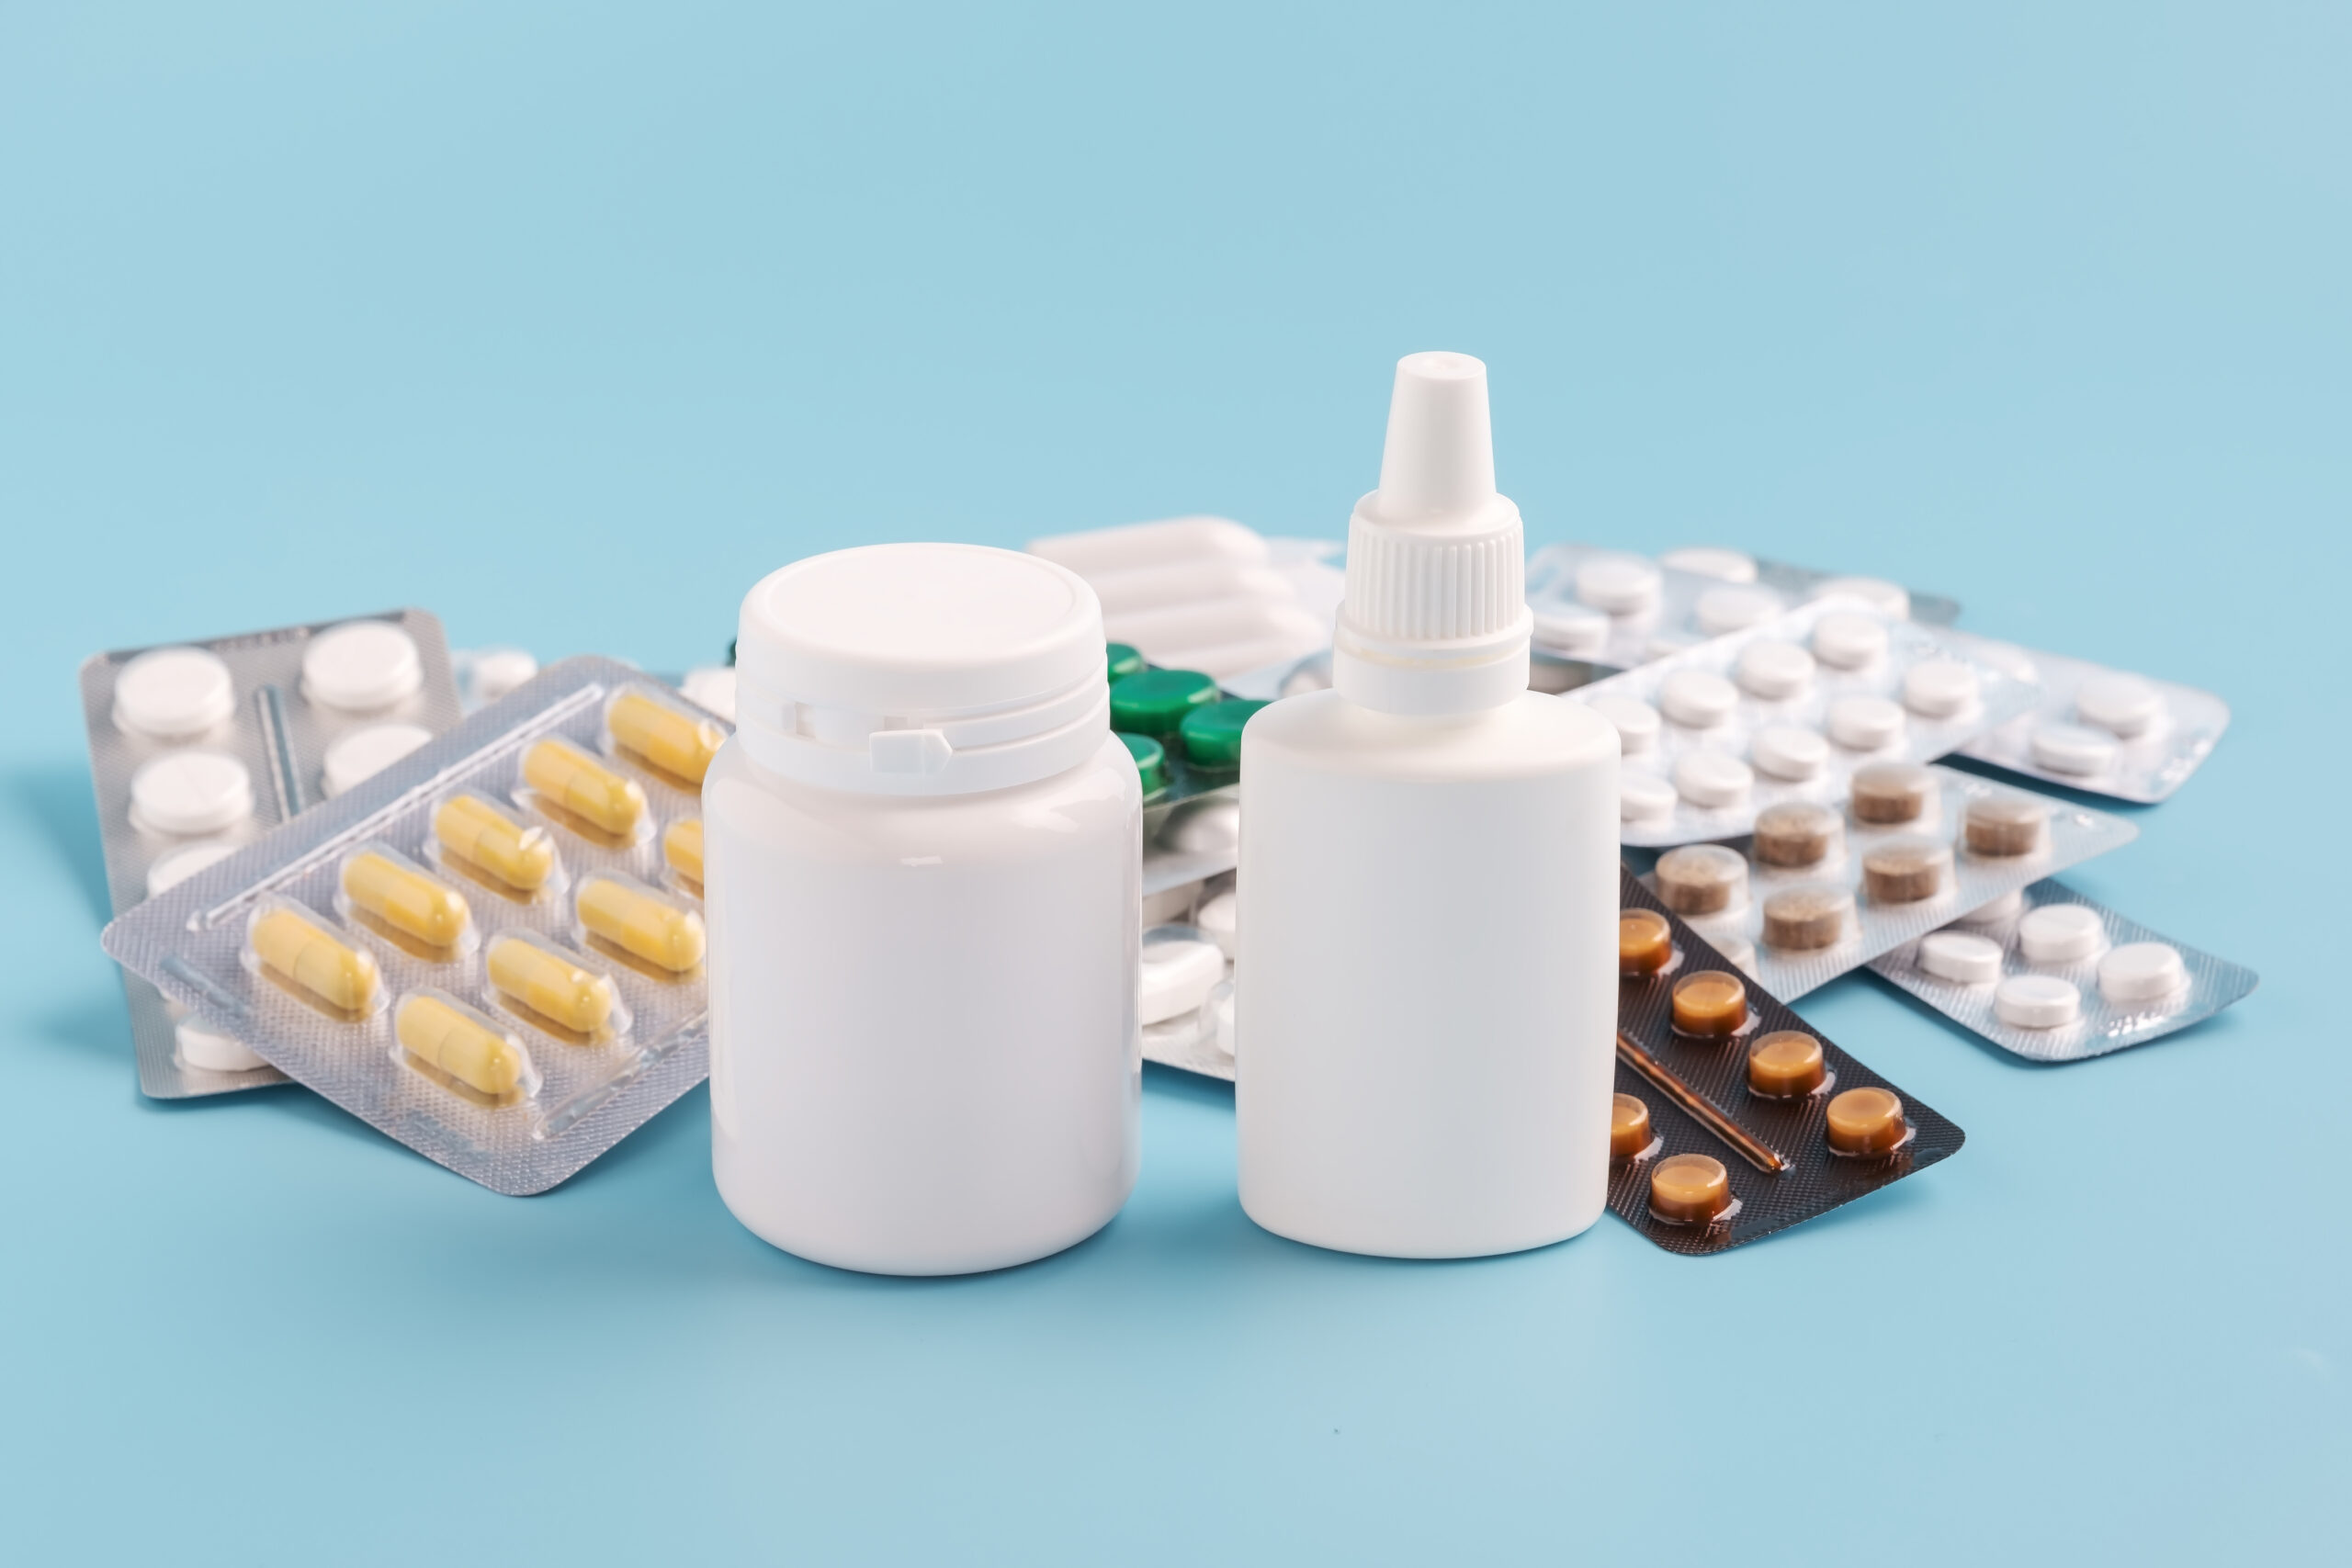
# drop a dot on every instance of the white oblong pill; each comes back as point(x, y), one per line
point(1621, 585)
point(1178, 975)
point(1887, 598)
point(1844, 640)
point(1221, 1009)
point(360, 666)
point(367, 751)
point(1574, 631)
point(2073, 749)
point(2036, 1002)
point(1643, 797)
point(1734, 609)
point(1216, 920)
point(188, 793)
point(1961, 957)
point(1712, 779)
point(1865, 724)
point(172, 869)
point(1636, 721)
point(1711, 560)
point(2007, 907)
point(2061, 934)
point(1788, 751)
point(1939, 688)
point(173, 693)
point(1697, 699)
point(2121, 705)
point(2141, 972)
point(1770, 669)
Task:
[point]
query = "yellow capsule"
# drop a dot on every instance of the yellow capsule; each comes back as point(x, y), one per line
point(551, 985)
point(440, 1034)
point(405, 898)
point(343, 978)
point(682, 847)
point(583, 786)
point(671, 741)
point(482, 836)
point(641, 922)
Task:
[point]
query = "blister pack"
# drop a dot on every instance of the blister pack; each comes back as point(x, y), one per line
point(1787, 711)
point(1184, 732)
point(2052, 976)
point(1187, 991)
point(1733, 1117)
point(492, 950)
point(2106, 731)
point(1818, 889)
point(197, 748)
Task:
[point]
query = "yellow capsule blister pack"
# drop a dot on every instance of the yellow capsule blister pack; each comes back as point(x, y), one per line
point(494, 950)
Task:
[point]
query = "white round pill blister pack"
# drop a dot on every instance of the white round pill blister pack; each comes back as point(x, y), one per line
point(361, 666)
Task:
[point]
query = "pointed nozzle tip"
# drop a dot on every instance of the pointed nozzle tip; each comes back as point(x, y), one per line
point(1440, 458)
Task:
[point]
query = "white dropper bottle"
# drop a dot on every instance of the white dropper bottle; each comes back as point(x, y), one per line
point(1425, 982)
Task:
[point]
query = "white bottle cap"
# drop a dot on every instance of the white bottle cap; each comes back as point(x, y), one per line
point(920, 670)
point(187, 792)
point(2125, 704)
point(172, 694)
point(1435, 618)
point(1636, 721)
point(367, 751)
point(1961, 957)
point(1734, 609)
point(2141, 972)
point(1773, 669)
point(2061, 934)
point(1846, 640)
point(360, 666)
point(1788, 751)
point(1711, 560)
point(2037, 1002)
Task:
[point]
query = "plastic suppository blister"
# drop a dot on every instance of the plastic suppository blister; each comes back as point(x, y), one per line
point(1787, 711)
point(2053, 977)
point(492, 951)
point(198, 748)
point(1733, 1117)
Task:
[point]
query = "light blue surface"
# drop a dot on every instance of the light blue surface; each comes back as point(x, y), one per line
point(568, 323)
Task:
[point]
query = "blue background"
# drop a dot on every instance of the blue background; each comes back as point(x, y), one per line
point(569, 322)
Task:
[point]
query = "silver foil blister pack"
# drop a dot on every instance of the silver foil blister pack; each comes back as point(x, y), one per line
point(2053, 977)
point(198, 748)
point(1787, 711)
point(1818, 889)
point(491, 951)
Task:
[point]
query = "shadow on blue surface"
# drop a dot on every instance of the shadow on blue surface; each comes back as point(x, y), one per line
point(65, 816)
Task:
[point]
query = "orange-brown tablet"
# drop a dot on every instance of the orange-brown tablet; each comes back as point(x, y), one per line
point(1786, 1064)
point(1644, 941)
point(1906, 870)
point(1690, 1190)
point(1865, 1122)
point(1629, 1127)
point(1797, 833)
point(1892, 791)
point(1801, 919)
point(2006, 824)
point(1710, 1004)
point(1702, 879)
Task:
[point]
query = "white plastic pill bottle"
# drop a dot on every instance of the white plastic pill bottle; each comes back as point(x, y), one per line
point(1425, 982)
point(923, 861)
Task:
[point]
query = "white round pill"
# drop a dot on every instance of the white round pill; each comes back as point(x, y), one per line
point(1734, 609)
point(713, 686)
point(187, 792)
point(365, 752)
point(1623, 585)
point(1788, 751)
point(1887, 598)
point(2007, 907)
point(1697, 699)
point(172, 694)
point(1636, 721)
point(200, 1047)
point(2071, 748)
point(1221, 1009)
point(1203, 827)
point(361, 665)
point(495, 671)
point(2141, 972)
point(176, 866)
point(1865, 724)
point(2061, 934)
point(1961, 957)
point(1576, 631)
point(1844, 640)
point(2125, 704)
point(1710, 561)
point(1643, 797)
point(1178, 975)
point(1939, 688)
point(1216, 919)
point(2036, 1002)
point(1712, 778)
point(1771, 669)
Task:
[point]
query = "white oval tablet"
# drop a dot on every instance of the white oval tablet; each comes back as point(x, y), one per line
point(1788, 751)
point(2123, 705)
point(2007, 907)
point(2073, 749)
point(1216, 920)
point(1643, 797)
point(361, 665)
point(1221, 1009)
point(1711, 560)
point(1939, 688)
point(1697, 699)
point(2061, 934)
point(1576, 631)
point(1636, 721)
point(172, 694)
point(1961, 957)
point(1203, 827)
point(188, 793)
point(1178, 975)
point(1887, 598)
point(1712, 779)
point(1865, 724)
point(495, 671)
point(1623, 585)
point(200, 1047)
point(1844, 640)
point(2036, 1002)
point(2141, 972)
point(177, 865)
point(1734, 609)
point(365, 752)
point(1771, 669)
point(713, 686)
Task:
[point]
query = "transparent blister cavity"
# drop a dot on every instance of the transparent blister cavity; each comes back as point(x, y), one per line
point(560, 992)
point(682, 855)
point(487, 842)
point(1616, 609)
point(462, 1049)
point(307, 957)
point(381, 891)
point(1183, 972)
point(654, 933)
point(2060, 977)
point(659, 729)
point(575, 789)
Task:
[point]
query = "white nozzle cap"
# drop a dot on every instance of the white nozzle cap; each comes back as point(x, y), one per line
point(1435, 618)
